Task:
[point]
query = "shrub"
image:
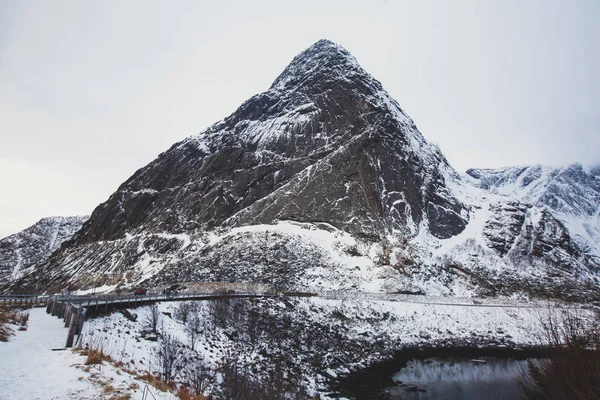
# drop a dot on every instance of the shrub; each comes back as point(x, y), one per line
point(170, 358)
point(183, 311)
point(23, 319)
point(153, 318)
point(155, 381)
point(238, 384)
point(572, 370)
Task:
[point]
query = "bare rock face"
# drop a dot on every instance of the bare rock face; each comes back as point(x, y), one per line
point(22, 252)
point(324, 143)
point(504, 226)
point(550, 240)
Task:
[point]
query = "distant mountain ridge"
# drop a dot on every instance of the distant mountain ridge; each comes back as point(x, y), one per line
point(323, 182)
point(22, 252)
point(571, 194)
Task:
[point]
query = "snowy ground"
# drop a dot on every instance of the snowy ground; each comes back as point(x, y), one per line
point(326, 336)
point(31, 369)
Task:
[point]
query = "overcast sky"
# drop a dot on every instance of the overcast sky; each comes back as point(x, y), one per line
point(92, 91)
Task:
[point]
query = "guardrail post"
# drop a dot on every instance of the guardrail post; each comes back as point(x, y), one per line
point(55, 308)
point(81, 313)
point(73, 323)
point(65, 311)
point(49, 306)
point(68, 314)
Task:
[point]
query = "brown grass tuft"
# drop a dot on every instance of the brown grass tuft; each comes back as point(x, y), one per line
point(121, 396)
point(95, 353)
point(108, 388)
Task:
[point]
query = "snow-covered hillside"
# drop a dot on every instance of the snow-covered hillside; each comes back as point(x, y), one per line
point(22, 252)
point(312, 340)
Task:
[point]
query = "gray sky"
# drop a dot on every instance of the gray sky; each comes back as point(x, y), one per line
point(92, 91)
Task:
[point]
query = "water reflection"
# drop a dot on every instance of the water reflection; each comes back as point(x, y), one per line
point(459, 379)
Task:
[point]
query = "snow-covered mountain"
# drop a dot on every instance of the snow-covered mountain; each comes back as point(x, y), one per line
point(323, 182)
point(571, 194)
point(22, 252)
point(531, 228)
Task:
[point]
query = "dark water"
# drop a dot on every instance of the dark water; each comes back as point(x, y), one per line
point(459, 379)
point(441, 373)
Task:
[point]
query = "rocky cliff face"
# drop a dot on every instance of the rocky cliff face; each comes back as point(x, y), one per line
point(324, 143)
point(324, 182)
point(22, 252)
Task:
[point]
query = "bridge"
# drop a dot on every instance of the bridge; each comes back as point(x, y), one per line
point(74, 309)
point(130, 300)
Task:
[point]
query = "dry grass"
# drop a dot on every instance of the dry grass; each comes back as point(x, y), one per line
point(5, 332)
point(108, 388)
point(95, 353)
point(121, 396)
point(185, 393)
point(155, 382)
point(11, 316)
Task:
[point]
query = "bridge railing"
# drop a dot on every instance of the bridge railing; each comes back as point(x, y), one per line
point(113, 299)
point(97, 299)
point(24, 299)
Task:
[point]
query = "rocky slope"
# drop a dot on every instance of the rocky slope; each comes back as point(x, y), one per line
point(571, 194)
point(22, 252)
point(324, 182)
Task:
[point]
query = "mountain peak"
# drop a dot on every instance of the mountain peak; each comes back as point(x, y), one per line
point(324, 44)
point(323, 57)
